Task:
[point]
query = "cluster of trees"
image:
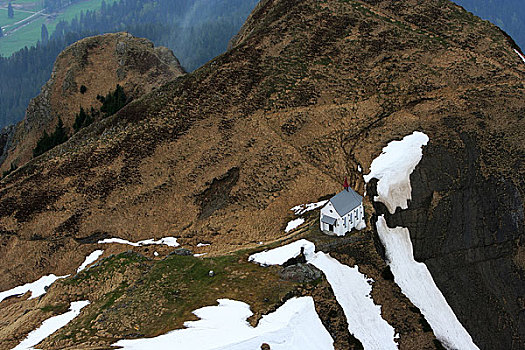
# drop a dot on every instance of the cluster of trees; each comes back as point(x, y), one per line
point(196, 31)
point(113, 101)
point(111, 104)
point(46, 142)
point(84, 119)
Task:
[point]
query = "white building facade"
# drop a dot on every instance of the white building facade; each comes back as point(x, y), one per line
point(342, 213)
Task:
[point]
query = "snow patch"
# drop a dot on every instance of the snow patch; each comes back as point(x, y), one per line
point(280, 255)
point(51, 325)
point(91, 258)
point(199, 254)
point(293, 326)
point(292, 225)
point(37, 288)
point(417, 284)
point(352, 290)
point(169, 241)
point(521, 56)
point(202, 245)
point(393, 168)
point(303, 208)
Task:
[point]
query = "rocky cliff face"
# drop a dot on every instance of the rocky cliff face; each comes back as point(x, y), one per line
point(469, 228)
point(309, 92)
point(98, 64)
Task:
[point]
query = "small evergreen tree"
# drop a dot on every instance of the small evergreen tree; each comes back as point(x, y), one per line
point(60, 134)
point(113, 102)
point(79, 120)
point(84, 119)
point(1, 32)
point(42, 145)
point(44, 34)
point(10, 11)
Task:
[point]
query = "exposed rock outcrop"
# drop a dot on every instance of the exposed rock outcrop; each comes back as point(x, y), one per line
point(469, 230)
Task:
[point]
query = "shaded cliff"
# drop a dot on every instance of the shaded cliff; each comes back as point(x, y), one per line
point(469, 229)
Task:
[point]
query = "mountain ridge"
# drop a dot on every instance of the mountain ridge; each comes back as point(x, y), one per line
point(308, 93)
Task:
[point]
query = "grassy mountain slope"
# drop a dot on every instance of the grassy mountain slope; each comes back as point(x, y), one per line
point(308, 92)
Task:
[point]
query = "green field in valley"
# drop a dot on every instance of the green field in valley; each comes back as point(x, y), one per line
point(24, 30)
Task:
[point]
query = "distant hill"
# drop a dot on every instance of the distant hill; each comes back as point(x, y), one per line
point(195, 30)
point(509, 15)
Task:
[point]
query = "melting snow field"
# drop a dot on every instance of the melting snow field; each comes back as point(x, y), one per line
point(393, 168)
point(303, 208)
point(293, 326)
point(280, 255)
point(50, 326)
point(91, 258)
point(169, 241)
point(292, 225)
point(36, 288)
point(351, 288)
point(417, 284)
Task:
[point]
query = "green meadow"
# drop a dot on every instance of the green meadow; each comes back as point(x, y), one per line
point(28, 34)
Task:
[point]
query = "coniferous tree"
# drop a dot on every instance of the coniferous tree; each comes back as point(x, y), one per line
point(10, 11)
point(113, 101)
point(60, 134)
point(46, 142)
point(83, 119)
point(1, 32)
point(44, 34)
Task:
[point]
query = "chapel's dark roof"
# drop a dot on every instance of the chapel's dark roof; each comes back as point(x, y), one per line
point(345, 201)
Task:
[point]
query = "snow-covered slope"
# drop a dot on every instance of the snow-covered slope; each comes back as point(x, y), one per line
point(37, 288)
point(169, 241)
point(294, 326)
point(51, 325)
point(417, 284)
point(280, 255)
point(91, 258)
point(351, 288)
point(393, 168)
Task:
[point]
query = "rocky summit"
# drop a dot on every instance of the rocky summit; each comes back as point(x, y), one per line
point(309, 92)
